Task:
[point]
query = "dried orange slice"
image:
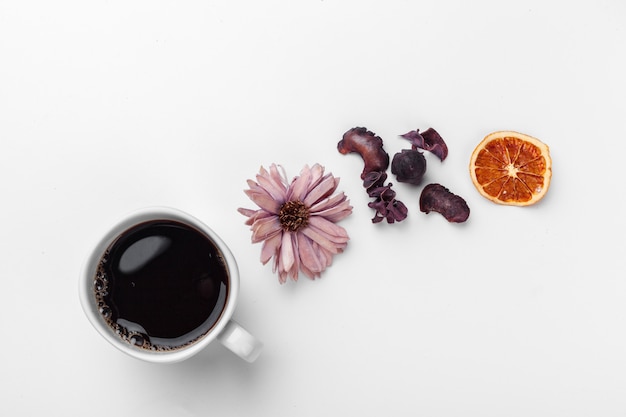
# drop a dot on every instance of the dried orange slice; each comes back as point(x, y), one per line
point(511, 168)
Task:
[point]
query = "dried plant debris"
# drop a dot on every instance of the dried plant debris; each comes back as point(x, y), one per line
point(428, 140)
point(436, 197)
point(370, 147)
point(385, 203)
point(409, 166)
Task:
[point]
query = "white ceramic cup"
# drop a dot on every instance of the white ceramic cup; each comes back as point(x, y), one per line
point(226, 330)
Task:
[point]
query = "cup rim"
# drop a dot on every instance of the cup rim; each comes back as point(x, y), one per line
point(87, 273)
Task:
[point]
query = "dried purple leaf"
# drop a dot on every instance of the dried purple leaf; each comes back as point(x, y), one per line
point(436, 197)
point(366, 144)
point(374, 179)
point(385, 203)
point(409, 166)
point(429, 140)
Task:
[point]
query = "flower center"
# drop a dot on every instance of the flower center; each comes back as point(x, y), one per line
point(293, 216)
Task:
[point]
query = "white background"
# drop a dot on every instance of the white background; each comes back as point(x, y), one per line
point(110, 106)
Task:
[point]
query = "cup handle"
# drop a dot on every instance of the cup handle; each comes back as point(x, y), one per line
point(240, 342)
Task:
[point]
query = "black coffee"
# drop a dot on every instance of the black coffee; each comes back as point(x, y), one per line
point(161, 285)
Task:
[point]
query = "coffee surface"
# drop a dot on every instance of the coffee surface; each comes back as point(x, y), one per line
point(161, 285)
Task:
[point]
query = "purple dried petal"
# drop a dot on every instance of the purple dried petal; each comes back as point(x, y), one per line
point(381, 210)
point(436, 197)
point(377, 217)
point(385, 203)
point(429, 140)
point(409, 166)
point(393, 211)
point(397, 211)
point(374, 179)
point(387, 194)
point(415, 137)
point(376, 191)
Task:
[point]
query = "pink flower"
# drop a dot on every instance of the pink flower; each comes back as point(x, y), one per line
point(296, 222)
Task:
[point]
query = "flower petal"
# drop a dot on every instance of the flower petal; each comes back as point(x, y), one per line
point(308, 255)
point(327, 185)
point(271, 182)
point(259, 215)
point(332, 231)
point(308, 272)
point(333, 209)
point(246, 212)
point(287, 254)
point(265, 228)
point(296, 264)
point(300, 185)
point(320, 238)
point(271, 247)
point(316, 174)
point(328, 203)
point(279, 177)
point(326, 257)
point(264, 200)
point(336, 213)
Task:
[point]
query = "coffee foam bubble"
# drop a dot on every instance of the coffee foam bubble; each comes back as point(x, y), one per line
point(129, 332)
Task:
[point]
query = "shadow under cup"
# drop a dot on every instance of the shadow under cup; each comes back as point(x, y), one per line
point(160, 286)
